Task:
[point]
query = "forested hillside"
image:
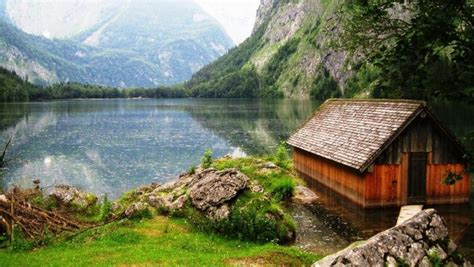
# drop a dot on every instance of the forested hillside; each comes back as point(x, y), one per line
point(331, 48)
point(14, 89)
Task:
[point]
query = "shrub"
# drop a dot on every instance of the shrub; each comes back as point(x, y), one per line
point(281, 156)
point(251, 218)
point(105, 209)
point(206, 160)
point(283, 189)
point(192, 170)
point(19, 242)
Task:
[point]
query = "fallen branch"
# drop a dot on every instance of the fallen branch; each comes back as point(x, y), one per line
point(33, 221)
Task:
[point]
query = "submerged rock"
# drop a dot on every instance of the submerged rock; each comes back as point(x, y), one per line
point(304, 195)
point(420, 241)
point(72, 197)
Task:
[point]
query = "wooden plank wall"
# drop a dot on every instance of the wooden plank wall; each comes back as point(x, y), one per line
point(439, 193)
point(347, 182)
point(384, 186)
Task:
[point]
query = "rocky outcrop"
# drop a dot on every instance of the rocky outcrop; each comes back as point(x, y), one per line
point(263, 13)
point(207, 190)
point(285, 22)
point(72, 197)
point(420, 241)
point(216, 187)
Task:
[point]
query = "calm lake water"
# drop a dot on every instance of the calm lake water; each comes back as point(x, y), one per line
point(112, 146)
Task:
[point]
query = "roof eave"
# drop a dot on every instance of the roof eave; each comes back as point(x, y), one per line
point(392, 138)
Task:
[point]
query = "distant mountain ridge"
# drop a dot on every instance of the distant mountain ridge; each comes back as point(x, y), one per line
point(138, 43)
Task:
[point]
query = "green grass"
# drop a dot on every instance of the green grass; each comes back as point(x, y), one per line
point(159, 241)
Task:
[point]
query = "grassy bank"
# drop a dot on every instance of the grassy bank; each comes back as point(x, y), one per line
point(158, 241)
point(186, 237)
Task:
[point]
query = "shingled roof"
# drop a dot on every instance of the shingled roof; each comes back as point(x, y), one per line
point(355, 132)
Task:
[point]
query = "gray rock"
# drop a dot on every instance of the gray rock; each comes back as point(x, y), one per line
point(255, 187)
point(72, 197)
point(413, 241)
point(160, 201)
point(391, 262)
point(304, 195)
point(438, 251)
point(217, 187)
point(218, 213)
point(269, 165)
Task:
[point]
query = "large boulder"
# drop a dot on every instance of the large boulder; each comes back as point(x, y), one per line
point(209, 190)
point(72, 197)
point(420, 241)
point(216, 187)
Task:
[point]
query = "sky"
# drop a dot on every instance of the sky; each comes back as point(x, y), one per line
point(236, 16)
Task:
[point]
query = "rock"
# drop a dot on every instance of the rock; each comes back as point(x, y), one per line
point(3, 198)
point(135, 208)
point(171, 202)
point(412, 242)
point(304, 195)
point(161, 201)
point(218, 213)
point(115, 208)
point(391, 262)
point(438, 252)
point(72, 197)
point(216, 187)
point(269, 165)
point(255, 187)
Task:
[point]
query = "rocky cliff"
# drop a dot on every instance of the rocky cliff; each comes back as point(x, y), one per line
point(289, 54)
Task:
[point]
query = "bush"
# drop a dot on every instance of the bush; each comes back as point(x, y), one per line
point(281, 156)
point(105, 209)
point(251, 218)
point(283, 189)
point(206, 160)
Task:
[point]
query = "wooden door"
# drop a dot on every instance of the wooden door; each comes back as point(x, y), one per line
point(417, 177)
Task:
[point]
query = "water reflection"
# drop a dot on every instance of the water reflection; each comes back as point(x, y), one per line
point(345, 222)
point(111, 146)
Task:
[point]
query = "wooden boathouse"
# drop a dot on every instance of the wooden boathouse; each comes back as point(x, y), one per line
point(381, 153)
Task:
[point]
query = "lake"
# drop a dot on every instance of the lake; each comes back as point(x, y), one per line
point(112, 146)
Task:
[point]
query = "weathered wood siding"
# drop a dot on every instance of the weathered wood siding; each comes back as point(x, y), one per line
point(385, 183)
point(439, 193)
point(346, 181)
point(385, 186)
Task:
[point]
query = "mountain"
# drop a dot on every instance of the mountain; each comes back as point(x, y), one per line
point(329, 48)
point(140, 43)
point(288, 54)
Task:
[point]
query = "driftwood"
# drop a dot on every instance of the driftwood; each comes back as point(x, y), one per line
point(32, 220)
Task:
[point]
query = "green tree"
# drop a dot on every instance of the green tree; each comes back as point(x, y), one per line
point(422, 48)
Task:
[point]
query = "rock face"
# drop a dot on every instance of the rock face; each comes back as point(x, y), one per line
point(421, 241)
point(72, 197)
point(217, 187)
